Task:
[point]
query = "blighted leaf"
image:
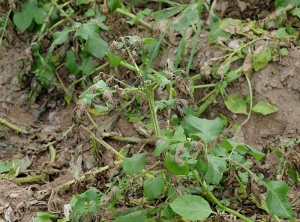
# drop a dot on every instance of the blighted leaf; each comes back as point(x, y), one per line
point(205, 129)
point(216, 32)
point(134, 164)
point(94, 43)
point(232, 26)
point(191, 207)
point(264, 108)
point(223, 69)
point(277, 200)
point(176, 168)
point(153, 187)
point(261, 57)
point(215, 169)
point(247, 66)
point(236, 104)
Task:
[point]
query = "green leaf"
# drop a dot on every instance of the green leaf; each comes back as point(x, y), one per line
point(5, 167)
point(255, 153)
point(236, 104)
point(114, 60)
point(113, 4)
point(283, 51)
point(71, 63)
point(176, 168)
point(87, 64)
point(215, 170)
point(296, 12)
point(61, 37)
point(94, 43)
point(40, 15)
point(136, 216)
point(205, 129)
point(281, 33)
point(90, 13)
point(24, 18)
point(134, 164)
point(277, 200)
point(165, 142)
point(154, 187)
point(191, 207)
point(45, 217)
point(261, 57)
point(264, 108)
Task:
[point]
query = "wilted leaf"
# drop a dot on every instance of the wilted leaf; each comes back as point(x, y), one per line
point(176, 168)
point(264, 108)
point(247, 66)
point(191, 207)
point(261, 57)
point(236, 104)
point(94, 43)
point(232, 26)
point(216, 32)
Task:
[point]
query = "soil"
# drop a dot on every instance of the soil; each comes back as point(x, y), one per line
point(49, 121)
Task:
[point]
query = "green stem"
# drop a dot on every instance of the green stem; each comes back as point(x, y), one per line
point(30, 179)
point(205, 86)
point(52, 154)
point(216, 201)
point(263, 206)
point(133, 139)
point(149, 91)
point(134, 17)
point(12, 126)
point(103, 143)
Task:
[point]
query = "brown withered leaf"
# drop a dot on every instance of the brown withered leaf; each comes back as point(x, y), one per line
point(247, 66)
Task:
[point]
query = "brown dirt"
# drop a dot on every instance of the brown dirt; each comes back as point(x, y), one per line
point(278, 84)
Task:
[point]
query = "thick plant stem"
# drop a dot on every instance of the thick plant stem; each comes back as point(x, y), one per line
point(12, 126)
point(132, 16)
point(149, 91)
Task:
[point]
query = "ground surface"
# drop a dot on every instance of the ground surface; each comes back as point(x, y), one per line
point(278, 84)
